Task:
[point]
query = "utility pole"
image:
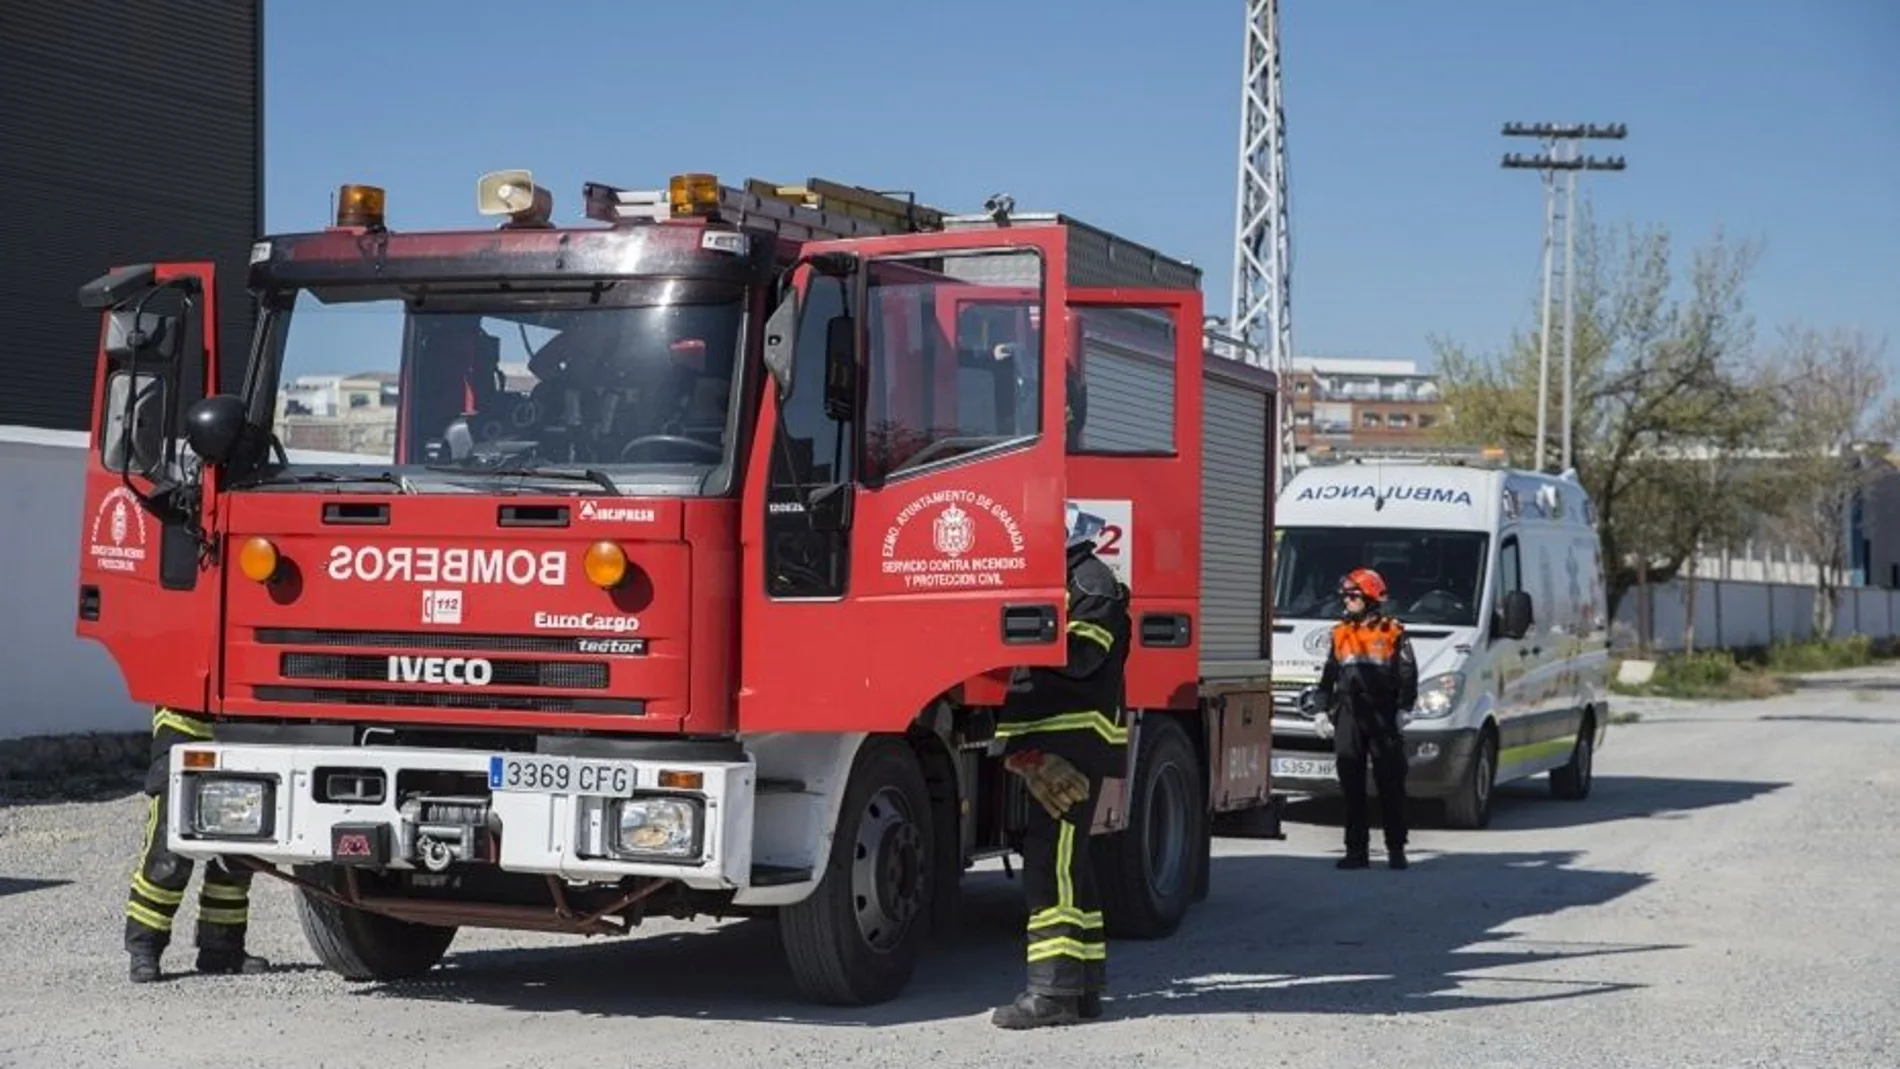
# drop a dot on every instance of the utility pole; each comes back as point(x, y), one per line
point(1562, 153)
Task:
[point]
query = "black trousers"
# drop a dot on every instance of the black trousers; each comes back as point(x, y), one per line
point(1377, 740)
point(159, 881)
point(1067, 951)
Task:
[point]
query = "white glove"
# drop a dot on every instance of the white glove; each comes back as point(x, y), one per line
point(1323, 724)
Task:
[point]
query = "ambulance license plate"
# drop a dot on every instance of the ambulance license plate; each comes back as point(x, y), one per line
point(1303, 767)
point(539, 774)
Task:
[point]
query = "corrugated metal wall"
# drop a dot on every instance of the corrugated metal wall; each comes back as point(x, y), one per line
point(129, 132)
point(1235, 483)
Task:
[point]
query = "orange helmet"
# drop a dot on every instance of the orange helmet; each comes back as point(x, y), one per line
point(1365, 581)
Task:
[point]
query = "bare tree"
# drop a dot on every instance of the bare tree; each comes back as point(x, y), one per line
point(1834, 428)
point(1659, 378)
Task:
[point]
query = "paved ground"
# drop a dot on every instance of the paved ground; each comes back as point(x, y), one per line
point(1726, 898)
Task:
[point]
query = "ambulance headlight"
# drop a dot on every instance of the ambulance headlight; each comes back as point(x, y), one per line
point(230, 808)
point(660, 827)
point(1438, 696)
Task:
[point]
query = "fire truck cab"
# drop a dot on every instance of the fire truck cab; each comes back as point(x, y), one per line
point(545, 577)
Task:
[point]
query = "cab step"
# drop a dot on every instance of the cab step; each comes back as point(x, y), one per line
point(778, 875)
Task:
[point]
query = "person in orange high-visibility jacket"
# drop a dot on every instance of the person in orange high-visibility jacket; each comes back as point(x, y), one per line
point(158, 883)
point(1370, 677)
point(1061, 730)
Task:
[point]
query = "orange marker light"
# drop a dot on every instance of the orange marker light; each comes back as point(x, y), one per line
point(605, 564)
point(677, 780)
point(258, 560)
point(359, 205)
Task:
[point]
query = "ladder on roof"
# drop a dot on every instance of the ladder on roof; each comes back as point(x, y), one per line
point(818, 209)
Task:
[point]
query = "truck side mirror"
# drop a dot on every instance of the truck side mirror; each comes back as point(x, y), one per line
point(213, 427)
point(780, 344)
point(142, 335)
point(1516, 613)
point(133, 438)
point(841, 368)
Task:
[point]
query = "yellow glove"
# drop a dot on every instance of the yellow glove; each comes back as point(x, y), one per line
point(1051, 780)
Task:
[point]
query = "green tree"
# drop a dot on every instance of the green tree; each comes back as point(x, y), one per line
point(1664, 390)
point(1834, 431)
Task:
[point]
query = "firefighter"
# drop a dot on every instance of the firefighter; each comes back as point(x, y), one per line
point(1370, 677)
point(158, 884)
point(1061, 730)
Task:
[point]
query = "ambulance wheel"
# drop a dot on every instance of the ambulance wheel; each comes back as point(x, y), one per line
point(1148, 872)
point(1470, 808)
point(358, 945)
point(1572, 782)
point(856, 939)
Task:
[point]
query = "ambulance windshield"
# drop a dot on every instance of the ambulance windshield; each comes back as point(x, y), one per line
point(1433, 577)
point(629, 377)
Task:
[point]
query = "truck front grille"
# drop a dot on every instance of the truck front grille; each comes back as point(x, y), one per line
point(403, 666)
point(436, 699)
point(375, 668)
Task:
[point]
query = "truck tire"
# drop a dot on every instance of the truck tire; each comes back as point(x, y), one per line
point(1148, 872)
point(856, 939)
point(358, 945)
point(1470, 807)
point(1572, 781)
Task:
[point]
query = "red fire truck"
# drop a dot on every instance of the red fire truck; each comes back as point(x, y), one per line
point(674, 561)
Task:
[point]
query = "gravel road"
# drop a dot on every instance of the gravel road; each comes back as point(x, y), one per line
point(1725, 898)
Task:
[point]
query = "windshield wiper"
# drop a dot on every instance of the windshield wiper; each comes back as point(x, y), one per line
point(395, 479)
point(592, 475)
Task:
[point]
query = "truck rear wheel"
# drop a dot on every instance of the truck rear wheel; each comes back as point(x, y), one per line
point(1148, 872)
point(359, 945)
point(856, 939)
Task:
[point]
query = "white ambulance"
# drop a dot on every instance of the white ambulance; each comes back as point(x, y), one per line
point(1498, 577)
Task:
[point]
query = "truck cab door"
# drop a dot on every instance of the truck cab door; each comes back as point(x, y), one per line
point(142, 592)
point(904, 522)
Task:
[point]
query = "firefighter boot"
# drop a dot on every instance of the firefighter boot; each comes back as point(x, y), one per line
point(229, 962)
point(1395, 856)
point(1354, 859)
point(144, 965)
point(1031, 1010)
point(1089, 1007)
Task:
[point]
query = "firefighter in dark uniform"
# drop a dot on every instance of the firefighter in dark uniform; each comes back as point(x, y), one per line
point(1061, 730)
point(1370, 677)
point(158, 884)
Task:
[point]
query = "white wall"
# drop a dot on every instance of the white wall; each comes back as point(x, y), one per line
point(1735, 613)
point(51, 682)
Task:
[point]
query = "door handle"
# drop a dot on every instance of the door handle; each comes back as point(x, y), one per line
point(1029, 624)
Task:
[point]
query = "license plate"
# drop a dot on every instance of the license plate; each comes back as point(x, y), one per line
point(1303, 767)
point(534, 774)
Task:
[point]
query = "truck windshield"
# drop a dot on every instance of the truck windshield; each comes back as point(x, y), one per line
point(1433, 577)
point(630, 377)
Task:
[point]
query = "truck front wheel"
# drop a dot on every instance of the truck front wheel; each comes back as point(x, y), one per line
point(856, 939)
point(359, 945)
point(1149, 871)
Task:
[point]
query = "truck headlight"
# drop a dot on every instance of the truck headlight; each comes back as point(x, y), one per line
point(1438, 696)
point(658, 826)
point(230, 808)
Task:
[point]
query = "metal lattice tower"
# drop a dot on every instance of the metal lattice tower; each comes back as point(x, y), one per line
point(1262, 288)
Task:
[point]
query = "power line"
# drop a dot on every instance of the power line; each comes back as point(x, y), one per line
point(1562, 154)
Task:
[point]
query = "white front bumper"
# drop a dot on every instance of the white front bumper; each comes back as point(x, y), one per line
point(564, 835)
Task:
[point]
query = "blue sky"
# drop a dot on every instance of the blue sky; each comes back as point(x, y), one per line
point(1772, 121)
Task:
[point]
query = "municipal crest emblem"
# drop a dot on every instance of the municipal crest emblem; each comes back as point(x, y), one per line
point(119, 524)
point(953, 532)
